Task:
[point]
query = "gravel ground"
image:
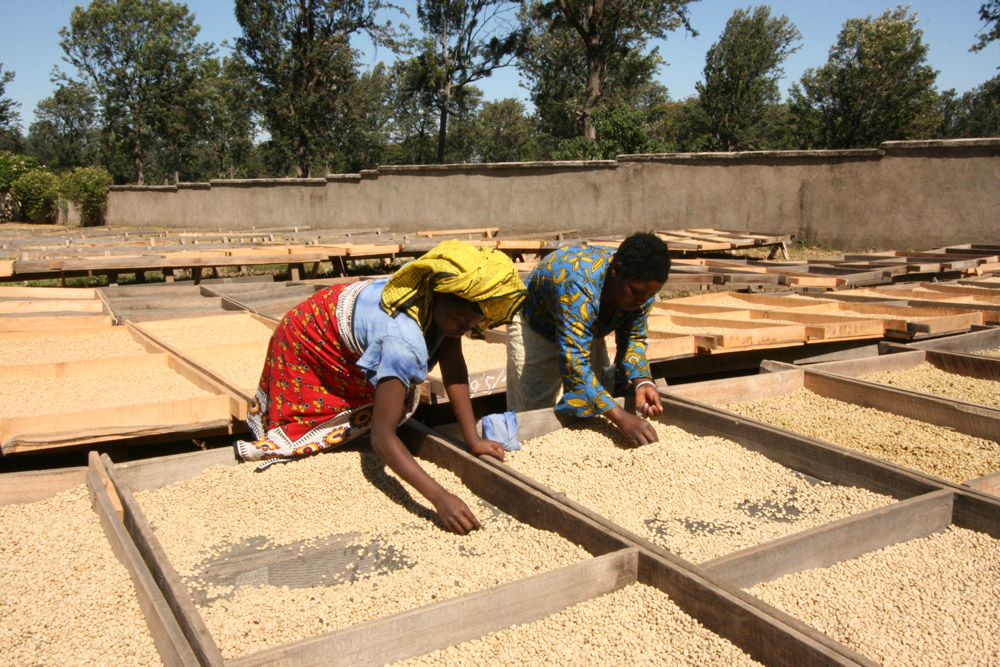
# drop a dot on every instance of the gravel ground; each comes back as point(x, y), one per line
point(480, 356)
point(240, 369)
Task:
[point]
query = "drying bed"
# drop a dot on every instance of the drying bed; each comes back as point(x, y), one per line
point(710, 497)
point(952, 440)
point(515, 586)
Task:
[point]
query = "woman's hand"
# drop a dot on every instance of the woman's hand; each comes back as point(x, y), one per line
point(636, 429)
point(482, 447)
point(647, 401)
point(455, 514)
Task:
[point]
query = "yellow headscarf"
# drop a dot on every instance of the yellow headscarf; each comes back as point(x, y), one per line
point(483, 275)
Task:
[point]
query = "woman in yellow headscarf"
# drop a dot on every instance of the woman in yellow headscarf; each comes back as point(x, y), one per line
point(350, 360)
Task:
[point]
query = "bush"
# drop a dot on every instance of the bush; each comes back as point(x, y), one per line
point(38, 194)
point(87, 187)
point(13, 166)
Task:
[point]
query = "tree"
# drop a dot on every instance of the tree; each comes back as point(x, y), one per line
point(140, 58)
point(503, 131)
point(989, 13)
point(619, 131)
point(876, 86)
point(415, 124)
point(465, 41)
point(8, 107)
point(600, 35)
point(742, 70)
point(10, 128)
point(367, 121)
point(974, 114)
point(300, 56)
point(66, 134)
point(225, 117)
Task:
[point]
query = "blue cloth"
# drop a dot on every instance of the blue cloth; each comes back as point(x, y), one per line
point(564, 299)
point(393, 346)
point(502, 428)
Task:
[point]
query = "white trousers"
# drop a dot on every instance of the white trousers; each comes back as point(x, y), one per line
point(533, 379)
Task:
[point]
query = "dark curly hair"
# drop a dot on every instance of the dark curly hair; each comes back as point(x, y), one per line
point(643, 256)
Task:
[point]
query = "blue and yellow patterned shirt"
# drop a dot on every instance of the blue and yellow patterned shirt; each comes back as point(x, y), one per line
point(564, 297)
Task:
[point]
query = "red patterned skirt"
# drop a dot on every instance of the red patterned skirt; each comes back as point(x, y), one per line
point(312, 395)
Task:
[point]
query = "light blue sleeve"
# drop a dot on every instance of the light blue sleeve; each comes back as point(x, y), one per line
point(394, 356)
point(393, 346)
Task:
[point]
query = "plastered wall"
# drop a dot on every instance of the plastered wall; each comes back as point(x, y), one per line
point(902, 195)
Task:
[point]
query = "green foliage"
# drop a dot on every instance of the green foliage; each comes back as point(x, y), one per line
point(875, 87)
point(503, 132)
point(989, 13)
point(141, 59)
point(620, 131)
point(66, 134)
point(87, 187)
point(465, 41)
point(575, 48)
point(973, 114)
point(742, 70)
point(10, 126)
point(13, 166)
point(37, 192)
point(301, 61)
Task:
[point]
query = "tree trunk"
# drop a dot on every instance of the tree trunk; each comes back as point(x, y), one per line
point(301, 159)
point(595, 69)
point(443, 126)
point(137, 157)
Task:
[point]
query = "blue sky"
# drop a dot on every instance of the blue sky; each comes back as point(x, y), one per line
point(29, 42)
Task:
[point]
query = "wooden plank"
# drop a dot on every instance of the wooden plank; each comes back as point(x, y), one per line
point(486, 232)
point(987, 484)
point(969, 418)
point(418, 631)
point(731, 390)
point(972, 341)
point(40, 306)
point(777, 638)
point(72, 369)
point(810, 456)
point(153, 473)
point(743, 334)
point(47, 322)
point(856, 367)
point(96, 466)
point(170, 642)
point(83, 293)
point(66, 429)
point(33, 485)
point(766, 633)
point(167, 580)
point(970, 365)
point(836, 541)
point(976, 511)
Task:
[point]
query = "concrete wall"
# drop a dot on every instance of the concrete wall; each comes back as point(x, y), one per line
point(903, 195)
